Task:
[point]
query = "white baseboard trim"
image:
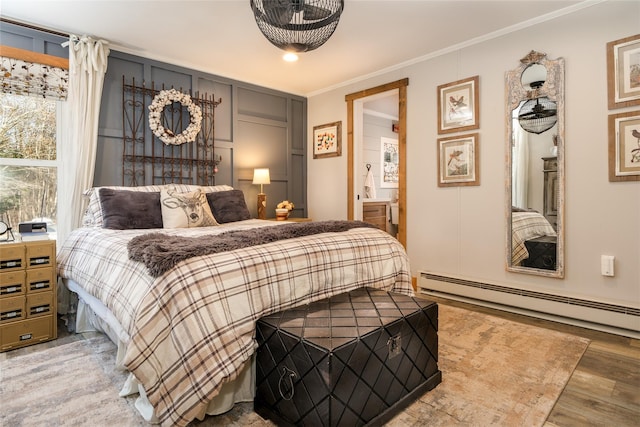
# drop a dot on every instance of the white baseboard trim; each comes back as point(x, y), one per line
point(606, 317)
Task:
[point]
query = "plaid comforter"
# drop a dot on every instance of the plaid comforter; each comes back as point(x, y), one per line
point(526, 226)
point(192, 328)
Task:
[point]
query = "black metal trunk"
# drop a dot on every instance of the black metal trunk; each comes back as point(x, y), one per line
point(350, 360)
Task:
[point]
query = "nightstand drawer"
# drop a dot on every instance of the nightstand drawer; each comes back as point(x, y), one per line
point(12, 257)
point(39, 304)
point(12, 283)
point(12, 309)
point(40, 279)
point(31, 331)
point(40, 254)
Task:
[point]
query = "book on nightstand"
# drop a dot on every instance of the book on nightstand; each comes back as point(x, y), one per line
point(29, 237)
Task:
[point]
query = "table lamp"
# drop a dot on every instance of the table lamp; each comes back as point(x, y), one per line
point(261, 176)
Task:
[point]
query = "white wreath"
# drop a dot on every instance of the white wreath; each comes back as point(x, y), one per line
point(167, 97)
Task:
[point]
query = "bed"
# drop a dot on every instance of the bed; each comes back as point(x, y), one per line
point(185, 331)
point(527, 225)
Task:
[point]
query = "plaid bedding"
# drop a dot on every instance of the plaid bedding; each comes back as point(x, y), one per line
point(192, 328)
point(526, 226)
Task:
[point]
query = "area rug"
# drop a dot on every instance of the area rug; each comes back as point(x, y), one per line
point(67, 385)
point(494, 372)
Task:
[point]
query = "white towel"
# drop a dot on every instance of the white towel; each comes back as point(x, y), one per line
point(369, 186)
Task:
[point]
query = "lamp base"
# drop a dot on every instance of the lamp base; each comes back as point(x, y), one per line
point(262, 206)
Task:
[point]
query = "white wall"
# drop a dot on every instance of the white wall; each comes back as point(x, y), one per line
point(374, 128)
point(461, 230)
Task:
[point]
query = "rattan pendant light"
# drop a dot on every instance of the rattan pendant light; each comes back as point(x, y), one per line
point(297, 25)
point(538, 115)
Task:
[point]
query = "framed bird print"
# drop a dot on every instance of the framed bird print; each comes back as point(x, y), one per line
point(624, 146)
point(459, 160)
point(458, 106)
point(623, 72)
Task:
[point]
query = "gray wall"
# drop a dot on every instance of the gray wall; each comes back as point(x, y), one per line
point(35, 41)
point(255, 127)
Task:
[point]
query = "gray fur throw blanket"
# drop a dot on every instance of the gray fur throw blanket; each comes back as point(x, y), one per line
point(160, 252)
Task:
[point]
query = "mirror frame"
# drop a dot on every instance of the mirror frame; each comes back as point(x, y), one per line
point(401, 85)
point(553, 88)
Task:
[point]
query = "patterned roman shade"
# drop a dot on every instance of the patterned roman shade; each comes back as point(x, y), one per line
point(29, 73)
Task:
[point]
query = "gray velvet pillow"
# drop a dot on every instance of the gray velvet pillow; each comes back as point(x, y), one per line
point(125, 210)
point(228, 206)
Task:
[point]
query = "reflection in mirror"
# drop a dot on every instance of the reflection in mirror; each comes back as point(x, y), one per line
point(534, 73)
point(535, 167)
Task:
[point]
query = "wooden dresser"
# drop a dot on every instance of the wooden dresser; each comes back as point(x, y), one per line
point(375, 213)
point(28, 297)
point(550, 206)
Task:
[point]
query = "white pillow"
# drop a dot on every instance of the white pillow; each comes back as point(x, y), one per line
point(93, 213)
point(185, 210)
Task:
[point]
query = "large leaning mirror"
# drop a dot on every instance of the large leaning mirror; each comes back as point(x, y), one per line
point(535, 167)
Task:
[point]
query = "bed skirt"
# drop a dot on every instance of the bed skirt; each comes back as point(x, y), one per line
point(93, 316)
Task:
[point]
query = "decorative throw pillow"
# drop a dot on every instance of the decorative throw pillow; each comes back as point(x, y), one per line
point(185, 210)
point(228, 206)
point(93, 213)
point(125, 210)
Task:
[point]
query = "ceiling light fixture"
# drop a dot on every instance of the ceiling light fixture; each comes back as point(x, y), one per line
point(290, 57)
point(538, 115)
point(297, 25)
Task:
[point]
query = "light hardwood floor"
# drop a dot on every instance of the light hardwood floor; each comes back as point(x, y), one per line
point(604, 389)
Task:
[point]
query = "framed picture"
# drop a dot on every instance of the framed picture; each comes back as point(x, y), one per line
point(327, 140)
point(623, 72)
point(458, 160)
point(624, 146)
point(458, 106)
point(389, 162)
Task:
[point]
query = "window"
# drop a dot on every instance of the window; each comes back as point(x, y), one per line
point(28, 160)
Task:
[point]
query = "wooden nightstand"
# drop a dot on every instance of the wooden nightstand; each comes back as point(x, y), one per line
point(28, 297)
point(293, 219)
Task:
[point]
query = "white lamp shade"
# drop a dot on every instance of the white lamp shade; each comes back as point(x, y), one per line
point(261, 176)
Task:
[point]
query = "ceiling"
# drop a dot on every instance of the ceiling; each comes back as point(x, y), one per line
point(221, 37)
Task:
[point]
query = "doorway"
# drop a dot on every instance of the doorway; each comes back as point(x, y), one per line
point(355, 102)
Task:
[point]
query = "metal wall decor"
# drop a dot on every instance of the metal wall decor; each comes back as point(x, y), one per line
point(146, 160)
point(297, 25)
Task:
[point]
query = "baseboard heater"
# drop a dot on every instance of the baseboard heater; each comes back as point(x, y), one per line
point(598, 315)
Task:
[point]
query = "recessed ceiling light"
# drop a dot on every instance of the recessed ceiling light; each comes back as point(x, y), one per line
point(290, 57)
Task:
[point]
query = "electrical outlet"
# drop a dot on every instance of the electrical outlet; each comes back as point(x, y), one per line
point(606, 265)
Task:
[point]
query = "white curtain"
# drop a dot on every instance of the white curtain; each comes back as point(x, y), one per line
point(519, 167)
point(87, 66)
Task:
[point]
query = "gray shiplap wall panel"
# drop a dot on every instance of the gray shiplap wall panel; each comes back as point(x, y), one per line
point(260, 104)
point(111, 104)
point(265, 146)
point(222, 91)
point(298, 126)
point(170, 78)
point(24, 38)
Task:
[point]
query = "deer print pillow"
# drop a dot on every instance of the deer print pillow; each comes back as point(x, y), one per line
point(185, 210)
